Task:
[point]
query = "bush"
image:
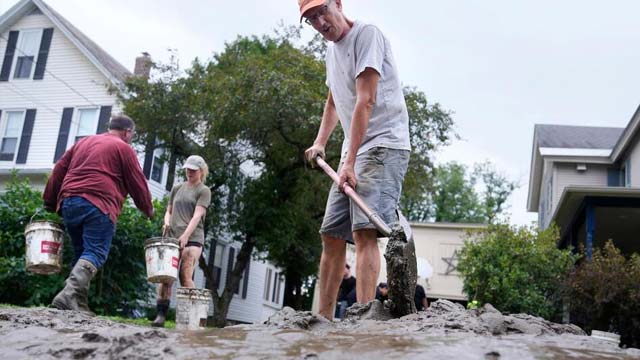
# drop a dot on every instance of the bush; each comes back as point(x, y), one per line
point(605, 293)
point(17, 205)
point(119, 287)
point(516, 269)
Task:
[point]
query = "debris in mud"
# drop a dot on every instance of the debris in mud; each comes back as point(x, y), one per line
point(287, 318)
point(373, 310)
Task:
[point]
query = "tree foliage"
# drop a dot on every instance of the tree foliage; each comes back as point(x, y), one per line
point(120, 285)
point(459, 195)
point(604, 293)
point(516, 269)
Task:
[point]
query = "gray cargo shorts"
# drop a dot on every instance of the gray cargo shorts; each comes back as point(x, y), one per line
point(380, 173)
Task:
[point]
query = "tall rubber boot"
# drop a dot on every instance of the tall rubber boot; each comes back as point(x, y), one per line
point(76, 289)
point(163, 309)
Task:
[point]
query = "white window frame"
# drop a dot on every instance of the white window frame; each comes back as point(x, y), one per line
point(75, 123)
point(3, 127)
point(18, 53)
point(273, 283)
point(220, 251)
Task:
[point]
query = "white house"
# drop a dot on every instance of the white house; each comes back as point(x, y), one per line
point(587, 181)
point(54, 90)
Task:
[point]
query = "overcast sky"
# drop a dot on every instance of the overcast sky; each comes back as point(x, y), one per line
point(500, 66)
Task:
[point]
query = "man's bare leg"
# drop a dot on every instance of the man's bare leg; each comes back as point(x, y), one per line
point(367, 264)
point(331, 269)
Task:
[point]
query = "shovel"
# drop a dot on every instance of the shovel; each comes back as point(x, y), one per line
point(400, 254)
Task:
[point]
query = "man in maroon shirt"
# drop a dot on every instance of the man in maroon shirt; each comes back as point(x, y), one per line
point(87, 187)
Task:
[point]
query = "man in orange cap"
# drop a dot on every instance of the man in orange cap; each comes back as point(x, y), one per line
point(366, 96)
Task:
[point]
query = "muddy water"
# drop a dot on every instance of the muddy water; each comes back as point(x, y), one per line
point(445, 331)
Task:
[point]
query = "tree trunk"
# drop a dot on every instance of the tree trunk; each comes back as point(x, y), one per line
point(293, 290)
point(173, 159)
point(222, 301)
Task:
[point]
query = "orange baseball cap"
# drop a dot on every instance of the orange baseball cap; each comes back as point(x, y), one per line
point(308, 4)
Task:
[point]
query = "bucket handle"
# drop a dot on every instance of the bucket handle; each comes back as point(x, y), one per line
point(38, 210)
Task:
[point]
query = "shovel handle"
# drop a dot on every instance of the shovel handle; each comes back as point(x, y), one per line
point(348, 190)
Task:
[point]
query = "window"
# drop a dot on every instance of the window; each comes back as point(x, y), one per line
point(272, 285)
point(85, 124)
point(217, 265)
point(267, 284)
point(11, 129)
point(157, 167)
point(26, 53)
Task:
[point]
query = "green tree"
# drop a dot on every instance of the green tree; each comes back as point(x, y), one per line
point(516, 269)
point(120, 285)
point(459, 195)
point(166, 110)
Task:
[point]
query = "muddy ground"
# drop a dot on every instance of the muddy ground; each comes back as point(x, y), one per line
point(444, 331)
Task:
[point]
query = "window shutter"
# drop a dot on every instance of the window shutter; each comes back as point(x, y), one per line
point(63, 135)
point(103, 120)
point(148, 158)
point(232, 256)
point(245, 283)
point(25, 140)
point(43, 54)
point(8, 55)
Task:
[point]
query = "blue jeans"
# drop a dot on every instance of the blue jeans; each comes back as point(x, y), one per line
point(90, 230)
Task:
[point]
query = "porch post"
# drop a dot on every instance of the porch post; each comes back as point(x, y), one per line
point(591, 227)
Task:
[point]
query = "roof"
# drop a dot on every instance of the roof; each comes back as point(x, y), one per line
point(109, 66)
point(577, 137)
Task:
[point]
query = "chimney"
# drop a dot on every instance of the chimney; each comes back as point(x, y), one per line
point(143, 65)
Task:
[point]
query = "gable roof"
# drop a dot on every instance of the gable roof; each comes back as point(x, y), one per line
point(589, 144)
point(577, 137)
point(109, 66)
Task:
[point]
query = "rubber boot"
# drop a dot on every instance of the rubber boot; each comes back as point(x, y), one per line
point(163, 309)
point(75, 293)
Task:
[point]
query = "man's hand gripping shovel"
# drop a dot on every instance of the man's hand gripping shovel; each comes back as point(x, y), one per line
point(400, 254)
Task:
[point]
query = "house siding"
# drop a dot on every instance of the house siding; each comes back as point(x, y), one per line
point(50, 95)
point(634, 163)
point(565, 174)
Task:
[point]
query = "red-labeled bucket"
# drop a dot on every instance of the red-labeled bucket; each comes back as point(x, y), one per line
point(44, 240)
point(162, 255)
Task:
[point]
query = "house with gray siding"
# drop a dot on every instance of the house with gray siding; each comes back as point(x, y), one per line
point(54, 90)
point(586, 180)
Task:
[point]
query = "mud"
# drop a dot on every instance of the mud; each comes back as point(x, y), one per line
point(402, 272)
point(444, 331)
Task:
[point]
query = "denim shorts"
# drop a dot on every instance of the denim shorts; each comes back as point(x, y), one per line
point(380, 173)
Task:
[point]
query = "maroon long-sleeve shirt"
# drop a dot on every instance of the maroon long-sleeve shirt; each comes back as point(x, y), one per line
point(102, 169)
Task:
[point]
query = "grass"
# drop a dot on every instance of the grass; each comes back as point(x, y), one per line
point(140, 322)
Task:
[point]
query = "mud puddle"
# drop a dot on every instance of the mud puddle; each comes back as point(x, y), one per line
point(444, 331)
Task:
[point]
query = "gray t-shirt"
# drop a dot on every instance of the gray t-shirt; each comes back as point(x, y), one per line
point(365, 46)
point(184, 199)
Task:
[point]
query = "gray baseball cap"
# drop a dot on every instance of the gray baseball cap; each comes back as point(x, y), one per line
point(194, 162)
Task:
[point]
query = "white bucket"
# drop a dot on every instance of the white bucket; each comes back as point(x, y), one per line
point(44, 240)
point(192, 308)
point(162, 255)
